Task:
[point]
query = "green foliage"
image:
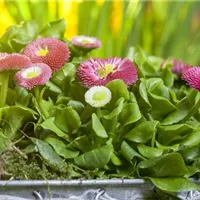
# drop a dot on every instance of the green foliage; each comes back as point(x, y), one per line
point(150, 128)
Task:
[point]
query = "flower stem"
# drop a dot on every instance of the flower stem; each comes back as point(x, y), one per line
point(39, 102)
point(4, 79)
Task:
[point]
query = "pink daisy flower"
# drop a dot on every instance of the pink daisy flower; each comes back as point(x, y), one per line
point(86, 42)
point(36, 74)
point(179, 67)
point(50, 51)
point(13, 61)
point(192, 77)
point(98, 72)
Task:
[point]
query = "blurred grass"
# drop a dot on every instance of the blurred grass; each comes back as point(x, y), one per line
point(162, 28)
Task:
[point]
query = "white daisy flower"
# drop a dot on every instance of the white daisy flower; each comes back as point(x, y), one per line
point(98, 96)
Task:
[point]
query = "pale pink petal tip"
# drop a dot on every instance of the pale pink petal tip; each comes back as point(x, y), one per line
point(50, 51)
point(37, 74)
point(98, 72)
point(86, 42)
point(13, 61)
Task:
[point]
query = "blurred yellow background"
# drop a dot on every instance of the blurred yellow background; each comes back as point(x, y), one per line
point(162, 28)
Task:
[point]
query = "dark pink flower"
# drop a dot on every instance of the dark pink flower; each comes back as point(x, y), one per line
point(50, 51)
point(192, 77)
point(13, 61)
point(36, 74)
point(86, 42)
point(97, 71)
point(179, 67)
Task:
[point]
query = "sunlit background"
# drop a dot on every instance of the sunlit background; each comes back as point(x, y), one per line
point(165, 28)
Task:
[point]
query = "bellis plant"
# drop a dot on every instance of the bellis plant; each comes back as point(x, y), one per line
point(178, 67)
point(98, 96)
point(50, 51)
point(10, 63)
point(192, 77)
point(120, 117)
point(34, 75)
point(98, 72)
point(86, 42)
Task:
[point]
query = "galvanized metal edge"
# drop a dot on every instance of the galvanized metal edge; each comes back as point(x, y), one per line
point(74, 182)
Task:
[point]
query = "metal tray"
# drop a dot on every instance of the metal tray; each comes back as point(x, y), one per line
point(114, 189)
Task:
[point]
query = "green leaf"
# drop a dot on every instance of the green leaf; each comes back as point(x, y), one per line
point(192, 139)
point(192, 153)
point(116, 111)
point(61, 149)
point(50, 125)
point(173, 147)
point(116, 161)
point(67, 119)
point(4, 142)
point(143, 93)
point(128, 152)
point(22, 96)
point(168, 165)
point(53, 87)
point(76, 105)
point(48, 154)
point(177, 115)
point(145, 69)
point(98, 127)
point(116, 93)
point(18, 36)
point(159, 97)
point(168, 77)
point(130, 114)
point(68, 71)
point(82, 143)
point(160, 106)
point(174, 184)
point(142, 132)
point(54, 29)
point(177, 132)
point(14, 118)
point(97, 158)
point(87, 112)
point(149, 152)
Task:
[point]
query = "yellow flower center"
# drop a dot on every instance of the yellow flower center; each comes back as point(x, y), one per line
point(104, 70)
point(99, 96)
point(32, 74)
point(42, 52)
point(85, 42)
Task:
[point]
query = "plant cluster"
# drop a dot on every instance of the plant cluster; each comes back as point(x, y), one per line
point(130, 117)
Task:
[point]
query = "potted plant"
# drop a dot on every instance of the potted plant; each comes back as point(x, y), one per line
point(120, 124)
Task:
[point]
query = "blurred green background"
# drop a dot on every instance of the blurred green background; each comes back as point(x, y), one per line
point(161, 28)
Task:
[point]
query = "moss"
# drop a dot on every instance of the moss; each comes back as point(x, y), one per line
point(14, 165)
point(19, 168)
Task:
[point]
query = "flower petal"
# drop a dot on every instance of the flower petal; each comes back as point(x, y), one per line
point(37, 74)
point(192, 77)
point(13, 61)
point(86, 42)
point(50, 51)
point(97, 71)
point(98, 96)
